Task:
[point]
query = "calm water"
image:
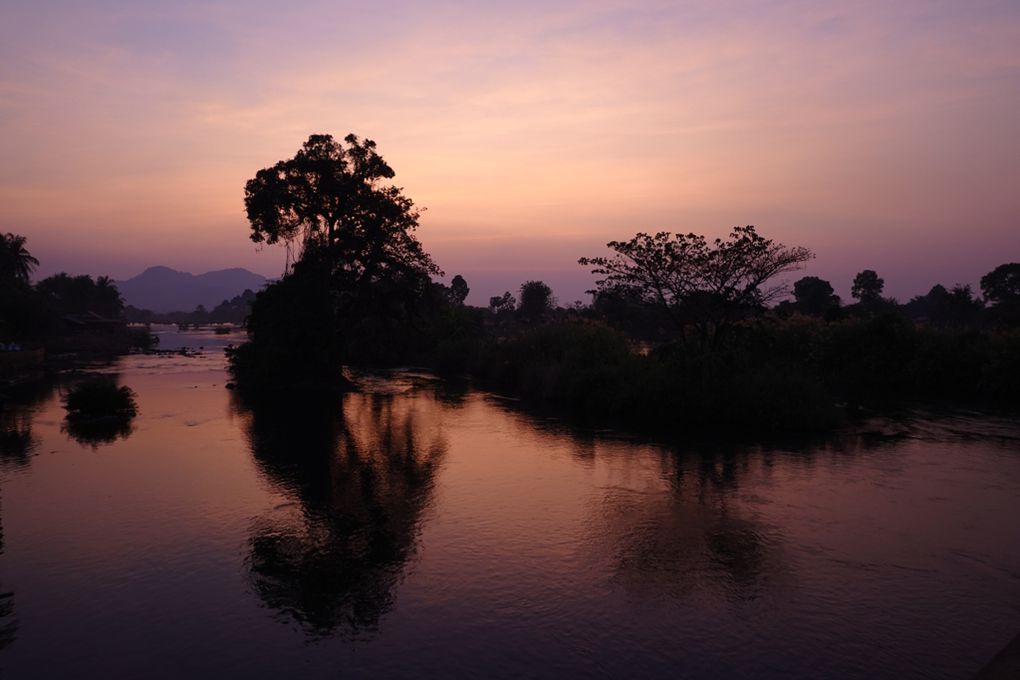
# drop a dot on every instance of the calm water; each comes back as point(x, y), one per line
point(417, 530)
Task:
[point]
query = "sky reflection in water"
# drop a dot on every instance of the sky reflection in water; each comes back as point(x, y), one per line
point(423, 528)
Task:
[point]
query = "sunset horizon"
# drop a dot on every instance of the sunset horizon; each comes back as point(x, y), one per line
point(879, 137)
point(596, 339)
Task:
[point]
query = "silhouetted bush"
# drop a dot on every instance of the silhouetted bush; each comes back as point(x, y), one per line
point(99, 411)
point(771, 374)
point(593, 372)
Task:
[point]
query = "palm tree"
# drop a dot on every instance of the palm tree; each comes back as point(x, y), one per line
point(108, 300)
point(15, 261)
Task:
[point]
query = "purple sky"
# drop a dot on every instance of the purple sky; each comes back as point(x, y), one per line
point(880, 135)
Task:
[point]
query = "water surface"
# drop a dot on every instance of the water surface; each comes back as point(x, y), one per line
point(421, 529)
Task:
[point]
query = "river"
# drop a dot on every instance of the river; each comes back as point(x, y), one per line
point(423, 529)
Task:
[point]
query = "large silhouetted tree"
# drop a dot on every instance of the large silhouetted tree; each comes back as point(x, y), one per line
point(361, 273)
point(459, 290)
point(1002, 284)
point(1001, 288)
point(814, 295)
point(699, 284)
point(330, 196)
point(536, 299)
point(867, 287)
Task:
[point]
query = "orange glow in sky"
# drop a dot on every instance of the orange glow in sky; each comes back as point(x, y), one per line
point(880, 135)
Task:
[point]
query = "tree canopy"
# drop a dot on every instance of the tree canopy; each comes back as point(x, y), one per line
point(867, 287)
point(459, 290)
point(696, 282)
point(814, 296)
point(1002, 284)
point(330, 198)
point(503, 304)
point(16, 263)
point(361, 278)
point(1001, 288)
point(66, 294)
point(536, 299)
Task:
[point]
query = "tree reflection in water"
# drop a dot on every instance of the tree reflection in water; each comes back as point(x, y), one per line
point(699, 531)
point(361, 469)
point(17, 409)
point(17, 443)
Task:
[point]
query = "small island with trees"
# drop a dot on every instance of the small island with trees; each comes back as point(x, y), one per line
point(683, 335)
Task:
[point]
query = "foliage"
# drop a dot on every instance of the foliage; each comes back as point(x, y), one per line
point(99, 411)
point(814, 296)
point(100, 397)
point(946, 308)
point(867, 287)
point(233, 310)
point(64, 294)
point(1002, 284)
point(698, 284)
point(362, 282)
point(536, 300)
point(329, 196)
point(769, 374)
point(591, 372)
point(16, 263)
point(458, 290)
point(626, 309)
point(502, 304)
point(20, 308)
point(293, 334)
point(1001, 288)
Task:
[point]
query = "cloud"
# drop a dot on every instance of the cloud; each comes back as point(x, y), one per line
point(519, 122)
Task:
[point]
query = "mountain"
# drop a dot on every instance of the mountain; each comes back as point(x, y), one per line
point(162, 289)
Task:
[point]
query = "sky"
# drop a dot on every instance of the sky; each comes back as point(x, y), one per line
point(881, 135)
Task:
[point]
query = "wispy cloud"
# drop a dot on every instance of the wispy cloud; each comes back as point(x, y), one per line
point(519, 123)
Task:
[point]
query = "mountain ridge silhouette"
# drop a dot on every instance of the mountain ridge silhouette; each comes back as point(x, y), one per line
point(163, 289)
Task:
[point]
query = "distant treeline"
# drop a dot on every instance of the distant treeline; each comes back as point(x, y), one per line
point(683, 333)
point(61, 313)
point(63, 305)
point(235, 311)
point(79, 314)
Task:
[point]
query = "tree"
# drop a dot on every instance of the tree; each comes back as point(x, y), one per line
point(16, 263)
point(459, 290)
point(1002, 284)
point(867, 287)
point(814, 295)
point(234, 310)
point(1001, 288)
point(954, 307)
point(503, 304)
point(536, 299)
point(106, 298)
point(360, 275)
point(66, 294)
point(329, 196)
point(698, 284)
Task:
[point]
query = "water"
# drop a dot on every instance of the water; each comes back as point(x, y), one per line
point(421, 530)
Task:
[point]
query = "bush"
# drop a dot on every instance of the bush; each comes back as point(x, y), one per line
point(99, 411)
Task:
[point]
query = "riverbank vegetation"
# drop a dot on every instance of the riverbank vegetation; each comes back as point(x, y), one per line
point(683, 333)
point(61, 314)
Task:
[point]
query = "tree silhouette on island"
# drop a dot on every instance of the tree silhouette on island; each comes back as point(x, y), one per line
point(719, 350)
